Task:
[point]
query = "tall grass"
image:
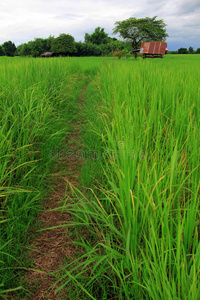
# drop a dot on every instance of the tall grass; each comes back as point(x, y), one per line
point(142, 221)
point(37, 104)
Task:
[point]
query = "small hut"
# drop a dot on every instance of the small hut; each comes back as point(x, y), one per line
point(46, 54)
point(153, 49)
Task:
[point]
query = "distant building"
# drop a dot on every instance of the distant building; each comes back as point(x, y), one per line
point(46, 54)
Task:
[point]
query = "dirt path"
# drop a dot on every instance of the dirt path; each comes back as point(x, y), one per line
point(51, 247)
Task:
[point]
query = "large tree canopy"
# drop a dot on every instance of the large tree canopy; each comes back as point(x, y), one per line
point(98, 37)
point(9, 48)
point(63, 45)
point(137, 31)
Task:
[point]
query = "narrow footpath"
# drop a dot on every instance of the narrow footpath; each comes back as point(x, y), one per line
point(52, 247)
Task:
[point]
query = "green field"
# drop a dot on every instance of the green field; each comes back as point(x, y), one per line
point(141, 141)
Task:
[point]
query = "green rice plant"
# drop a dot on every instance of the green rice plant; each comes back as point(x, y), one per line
point(142, 217)
point(37, 104)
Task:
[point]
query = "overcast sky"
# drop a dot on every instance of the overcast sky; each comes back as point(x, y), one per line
point(24, 20)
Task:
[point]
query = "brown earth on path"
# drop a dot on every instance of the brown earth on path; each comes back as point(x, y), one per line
point(52, 247)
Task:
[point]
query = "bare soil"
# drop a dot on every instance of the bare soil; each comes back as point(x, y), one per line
point(52, 247)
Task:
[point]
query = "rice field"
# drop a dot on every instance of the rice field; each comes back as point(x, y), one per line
point(140, 201)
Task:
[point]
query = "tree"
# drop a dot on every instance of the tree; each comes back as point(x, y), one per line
point(48, 43)
point(24, 49)
point(9, 48)
point(191, 50)
point(198, 51)
point(63, 45)
point(137, 31)
point(87, 38)
point(182, 51)
point(36, 47)
point(18, 50)
point(98, 37)
point(113, 45)
point(173, 52)
point(1, 51)
point(87, 49)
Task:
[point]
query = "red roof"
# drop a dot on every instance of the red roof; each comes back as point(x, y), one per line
point(153, 47)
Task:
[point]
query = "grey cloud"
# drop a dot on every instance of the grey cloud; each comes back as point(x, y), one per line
point(187, 8)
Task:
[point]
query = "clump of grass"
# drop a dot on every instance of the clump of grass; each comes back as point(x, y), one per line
point(143, 224)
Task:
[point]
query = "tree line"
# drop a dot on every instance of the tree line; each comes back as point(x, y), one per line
point(133, 32)
point(190, 50)
point(96, 44)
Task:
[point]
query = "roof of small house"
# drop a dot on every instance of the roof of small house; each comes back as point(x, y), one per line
point(153, 47)
point(46, 54)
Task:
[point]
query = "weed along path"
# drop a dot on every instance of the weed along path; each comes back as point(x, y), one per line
point(53, 246)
